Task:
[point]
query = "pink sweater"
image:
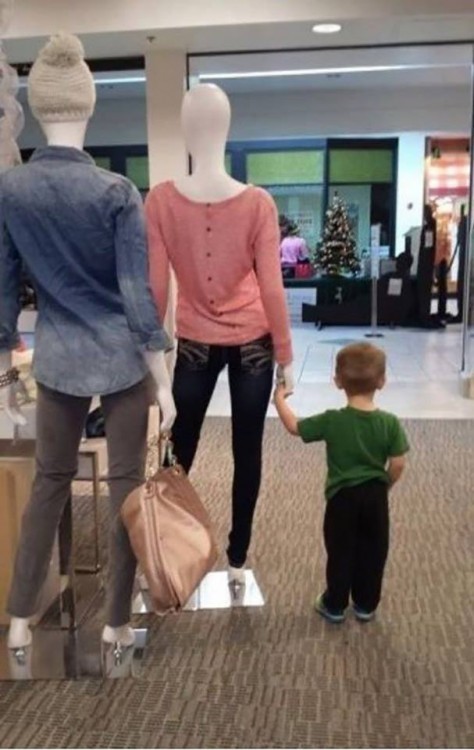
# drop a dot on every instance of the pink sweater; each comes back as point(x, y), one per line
point(226, 258)
point(292, 250)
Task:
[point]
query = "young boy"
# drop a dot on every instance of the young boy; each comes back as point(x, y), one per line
point(366, 451)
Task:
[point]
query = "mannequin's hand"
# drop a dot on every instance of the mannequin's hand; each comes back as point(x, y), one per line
point(164, 394)
point(8, 401)
point(167, 408)
point(286, 377)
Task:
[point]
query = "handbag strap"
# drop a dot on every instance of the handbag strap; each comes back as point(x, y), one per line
point(159, 446)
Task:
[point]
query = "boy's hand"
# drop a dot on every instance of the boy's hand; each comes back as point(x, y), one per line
point(281, 392)
point(285, 413)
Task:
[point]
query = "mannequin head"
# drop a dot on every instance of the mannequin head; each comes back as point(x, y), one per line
point(61, 91)
point(205, 119)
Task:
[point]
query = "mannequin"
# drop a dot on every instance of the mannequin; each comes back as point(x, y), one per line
point(221, 239)
point(205, 122)
point(72, 135)
point(66, 138)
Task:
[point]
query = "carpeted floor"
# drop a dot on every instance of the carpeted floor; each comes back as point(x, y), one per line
point(280, 676)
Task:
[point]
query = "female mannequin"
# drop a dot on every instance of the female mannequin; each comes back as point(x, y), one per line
point(222, 239)
point(97, 330)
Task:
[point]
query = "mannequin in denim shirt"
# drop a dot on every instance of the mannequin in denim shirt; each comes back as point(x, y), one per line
point(68, 140)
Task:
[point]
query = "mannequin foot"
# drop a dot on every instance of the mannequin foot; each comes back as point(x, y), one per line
point(236, 576)
point(123, 635)
point(19, 633)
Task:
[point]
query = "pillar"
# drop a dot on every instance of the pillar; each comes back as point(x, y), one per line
point(166, 84)
point(410, 185)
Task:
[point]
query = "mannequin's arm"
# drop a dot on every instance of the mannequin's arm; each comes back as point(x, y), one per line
point(8, 400)
point(10, 280)
point(268, 270)
point(141, 312)
point(157, 365)
point(158, 257)
point(10, 276)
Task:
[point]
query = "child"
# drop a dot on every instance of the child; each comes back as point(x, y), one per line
point(366, 451)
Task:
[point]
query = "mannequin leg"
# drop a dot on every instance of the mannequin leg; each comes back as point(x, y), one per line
point(251, 379)
point(197, 369)
point(126, 417)
point(60, 422)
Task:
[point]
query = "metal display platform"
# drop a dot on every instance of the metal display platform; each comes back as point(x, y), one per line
point(61, 655)
point(215, 592)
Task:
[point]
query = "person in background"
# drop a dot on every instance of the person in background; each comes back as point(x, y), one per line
point(366, 450)
point(293, 248)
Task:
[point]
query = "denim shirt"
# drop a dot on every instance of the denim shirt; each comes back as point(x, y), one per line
point(80, 232)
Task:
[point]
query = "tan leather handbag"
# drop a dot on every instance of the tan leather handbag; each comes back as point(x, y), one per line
point(169, 528)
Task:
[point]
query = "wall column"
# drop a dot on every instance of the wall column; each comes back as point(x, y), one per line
point(411, 185)
point(166, 84)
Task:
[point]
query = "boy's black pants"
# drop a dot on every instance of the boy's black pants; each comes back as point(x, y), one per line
point(356, 534)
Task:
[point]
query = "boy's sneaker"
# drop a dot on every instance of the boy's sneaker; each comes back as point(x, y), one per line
point(321, 609)
point(362, 614)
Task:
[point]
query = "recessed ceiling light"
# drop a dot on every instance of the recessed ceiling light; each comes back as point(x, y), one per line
point(327, 28)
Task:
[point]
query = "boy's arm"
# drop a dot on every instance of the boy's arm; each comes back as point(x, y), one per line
point(396, 467)
point(285, 413)
point(399, 447)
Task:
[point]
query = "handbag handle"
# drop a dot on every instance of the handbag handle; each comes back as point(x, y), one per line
point(159, 447)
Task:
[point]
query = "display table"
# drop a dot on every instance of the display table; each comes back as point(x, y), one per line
point(346, 301)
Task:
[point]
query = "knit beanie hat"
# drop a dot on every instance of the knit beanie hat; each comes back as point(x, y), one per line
point(60, 85)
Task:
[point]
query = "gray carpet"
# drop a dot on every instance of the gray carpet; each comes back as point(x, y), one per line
point(280, 676)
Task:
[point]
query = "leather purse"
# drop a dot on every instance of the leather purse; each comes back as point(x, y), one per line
point(169, 528)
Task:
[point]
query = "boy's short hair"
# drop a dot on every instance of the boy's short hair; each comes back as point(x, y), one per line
point(360, 368)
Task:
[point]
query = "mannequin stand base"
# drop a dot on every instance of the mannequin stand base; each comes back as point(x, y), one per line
point(70, 611)
point(59, 655)
point(215, 592)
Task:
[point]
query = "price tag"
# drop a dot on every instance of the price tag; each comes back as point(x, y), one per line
point(395, 287)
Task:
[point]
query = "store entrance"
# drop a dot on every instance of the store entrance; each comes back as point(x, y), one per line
point(379, 138)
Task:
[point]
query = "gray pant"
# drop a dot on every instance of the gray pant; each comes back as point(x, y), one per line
point(60, 425)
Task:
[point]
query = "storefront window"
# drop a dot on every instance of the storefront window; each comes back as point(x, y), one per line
point(363, 175)
point(360, 165)
point(447, 181)
point(304, 205)
point(103, 162)
point(285, 167)
point(137, 171)
point(295, 179)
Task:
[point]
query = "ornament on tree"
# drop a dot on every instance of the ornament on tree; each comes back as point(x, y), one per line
point(336, 252)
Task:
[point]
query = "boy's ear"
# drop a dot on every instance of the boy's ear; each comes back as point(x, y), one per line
point(382, 382)
point(338, 383)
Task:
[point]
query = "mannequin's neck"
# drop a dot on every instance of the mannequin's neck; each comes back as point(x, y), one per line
point(69, 134)
point(209, 163)
point(209, 180)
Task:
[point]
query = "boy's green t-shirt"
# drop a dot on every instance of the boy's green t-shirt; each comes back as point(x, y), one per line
point(358, 444)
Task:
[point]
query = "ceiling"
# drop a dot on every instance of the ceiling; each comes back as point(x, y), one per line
point(261, 36)
point(423, 68)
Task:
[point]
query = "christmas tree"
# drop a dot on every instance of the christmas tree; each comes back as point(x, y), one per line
point(336, 252)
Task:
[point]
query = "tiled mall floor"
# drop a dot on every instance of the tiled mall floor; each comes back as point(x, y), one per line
point(423, 372)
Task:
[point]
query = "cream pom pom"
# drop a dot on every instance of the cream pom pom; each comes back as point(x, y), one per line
point(62, 51)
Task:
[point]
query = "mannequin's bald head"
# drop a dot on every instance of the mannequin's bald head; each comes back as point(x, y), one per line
point(205, 119)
